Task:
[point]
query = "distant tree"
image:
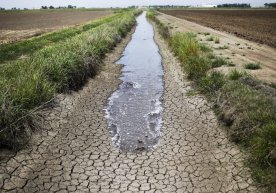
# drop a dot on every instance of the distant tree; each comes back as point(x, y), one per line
point(70, 6)
point(270, 5)
point(44, 7)
point(235, 5)
point(2, 8)
point(26, 9)
point(14, 8)
point(51, 7)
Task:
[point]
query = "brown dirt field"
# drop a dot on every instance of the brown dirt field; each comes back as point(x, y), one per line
point(238, 50)
point(255, 25)
point(15, 26)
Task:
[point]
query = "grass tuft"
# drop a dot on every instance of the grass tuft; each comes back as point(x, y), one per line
point(211, 38)
point(252, 66)
point(217, 41)
point(212, 82)
point(235, 74)
point(218, 62)
point(223, 47)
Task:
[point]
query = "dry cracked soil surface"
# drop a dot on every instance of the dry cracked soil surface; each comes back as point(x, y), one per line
point(74, 153)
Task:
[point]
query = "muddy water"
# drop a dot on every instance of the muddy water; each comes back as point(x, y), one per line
point(134, 110)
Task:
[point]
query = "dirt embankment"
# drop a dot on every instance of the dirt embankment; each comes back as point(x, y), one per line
point(255, 25)
point(15, 26)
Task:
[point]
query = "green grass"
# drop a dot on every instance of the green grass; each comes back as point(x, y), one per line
point(218, 62)
point(211, 38)
point(252, 66)
point(211, 82)
point(230, 64)
point(13, 51)
point(217, 41)
point(162, 29)
point(249, 115)
point(236, 75)
point(223, 47)
point(204, 48)
point(29, 83)
point(273, 85)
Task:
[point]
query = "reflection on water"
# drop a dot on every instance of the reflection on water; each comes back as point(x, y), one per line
point(134, 110)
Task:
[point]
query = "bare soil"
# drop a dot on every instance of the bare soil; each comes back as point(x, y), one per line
point(237, 50)
point(16, 26)
point(255, 25)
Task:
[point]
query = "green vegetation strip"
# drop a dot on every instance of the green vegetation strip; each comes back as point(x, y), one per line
point(245, 105)
point(29, 83)
point(14, 50)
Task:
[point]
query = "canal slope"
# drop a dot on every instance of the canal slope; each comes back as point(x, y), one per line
point(76, 153)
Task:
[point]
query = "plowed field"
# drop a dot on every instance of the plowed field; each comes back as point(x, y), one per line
point(255, 25)
point(24, 24)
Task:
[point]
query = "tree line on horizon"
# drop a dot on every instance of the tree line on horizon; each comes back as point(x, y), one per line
point(60, 7)
point(234, 5)
point(270, 5)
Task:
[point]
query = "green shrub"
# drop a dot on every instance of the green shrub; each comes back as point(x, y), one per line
point(252, 66)
point(218, 61)
point(217, 41)
point(211, 56)
point(151, 14)
point(223, 47)
point(252, 110)
point(196, 67)
point(211, 38)
point(184, 46)
point(212, 82)
point(235, 74)
point(263, 156)
point(273, 85)
point(187, 49)
point(264, 145)
point(163, 29)
point(204, 47)
point(230, 64)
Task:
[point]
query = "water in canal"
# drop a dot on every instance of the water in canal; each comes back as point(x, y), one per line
point(134, 110)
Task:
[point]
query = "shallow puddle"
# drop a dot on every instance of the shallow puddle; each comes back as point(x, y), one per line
point(134, 110)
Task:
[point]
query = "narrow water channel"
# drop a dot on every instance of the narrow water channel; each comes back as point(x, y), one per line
point(134, 110)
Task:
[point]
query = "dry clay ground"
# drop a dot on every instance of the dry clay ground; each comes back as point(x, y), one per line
point(75, 152)
point(20, 25)
point(238, 50)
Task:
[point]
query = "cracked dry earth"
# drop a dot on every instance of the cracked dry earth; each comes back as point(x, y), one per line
point(75, 152)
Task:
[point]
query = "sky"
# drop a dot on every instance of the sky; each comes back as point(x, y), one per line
point(120, 3)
